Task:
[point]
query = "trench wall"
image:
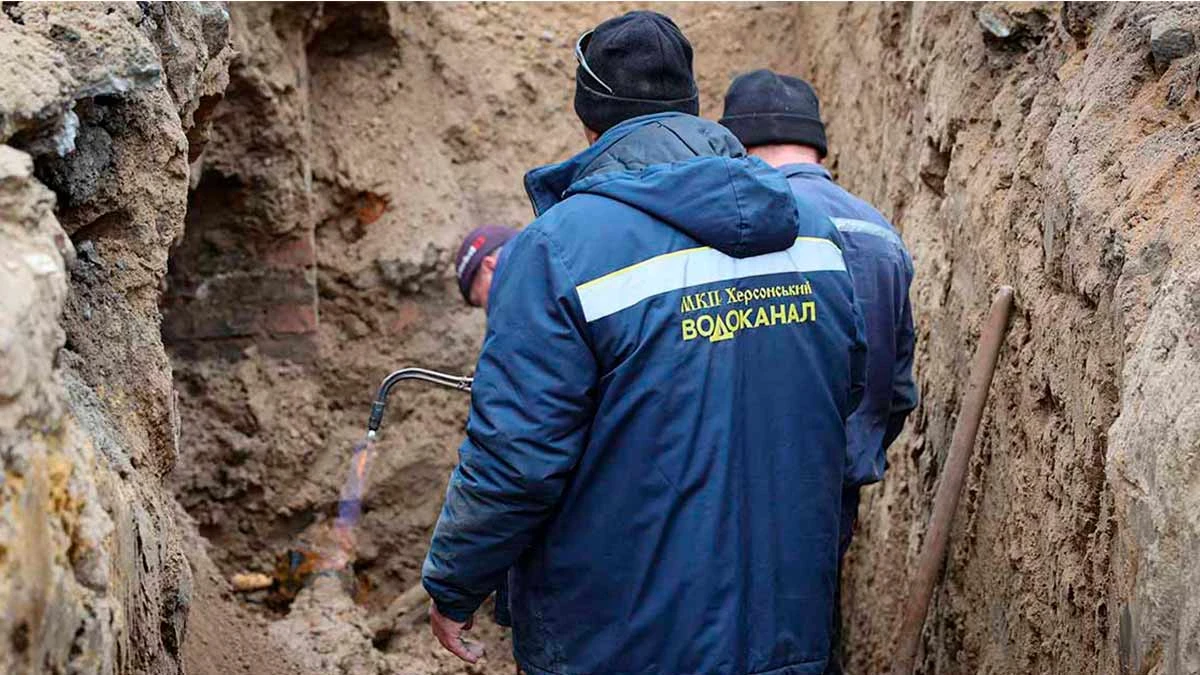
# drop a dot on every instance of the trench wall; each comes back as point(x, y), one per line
point(101, 109)
point(1052, 147)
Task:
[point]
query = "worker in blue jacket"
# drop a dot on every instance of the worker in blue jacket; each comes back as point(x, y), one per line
point(475, 267)
point(777, 118)
point(658, 418)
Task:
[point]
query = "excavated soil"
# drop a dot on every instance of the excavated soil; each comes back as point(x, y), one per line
point(221, 226)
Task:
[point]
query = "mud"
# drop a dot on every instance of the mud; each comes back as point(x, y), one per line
point(283, 221)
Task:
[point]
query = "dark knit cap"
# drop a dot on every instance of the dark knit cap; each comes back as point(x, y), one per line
point(479, 244)
point(766, 108)
point(640, 64)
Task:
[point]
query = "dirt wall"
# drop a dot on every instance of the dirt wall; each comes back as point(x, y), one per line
point(100, 106)
point(1051, 147)
point(1054, 148)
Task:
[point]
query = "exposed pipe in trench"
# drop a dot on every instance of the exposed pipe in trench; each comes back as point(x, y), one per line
point(945, 502)
point(305, 562)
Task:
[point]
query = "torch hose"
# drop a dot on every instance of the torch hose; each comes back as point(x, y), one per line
point(385, 389)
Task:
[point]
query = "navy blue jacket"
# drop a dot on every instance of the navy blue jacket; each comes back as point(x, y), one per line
point(657, 426)
point(883, 272)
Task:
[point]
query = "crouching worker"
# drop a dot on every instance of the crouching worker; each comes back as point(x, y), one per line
point(475, 267)
point(657, 426)
point(778, 119)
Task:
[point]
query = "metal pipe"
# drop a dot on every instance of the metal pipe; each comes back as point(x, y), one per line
point(385, 388)
point(945, 502)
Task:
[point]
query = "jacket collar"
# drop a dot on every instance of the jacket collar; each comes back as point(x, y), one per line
point(632, 145)
point(806, 169)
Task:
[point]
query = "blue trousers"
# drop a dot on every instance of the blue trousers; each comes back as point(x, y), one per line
point(847, 518)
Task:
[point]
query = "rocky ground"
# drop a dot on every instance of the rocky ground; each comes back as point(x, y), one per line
point(274, 191)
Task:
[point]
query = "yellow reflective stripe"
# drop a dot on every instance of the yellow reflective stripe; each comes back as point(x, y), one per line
point(677, 270)
point(648, 261)
point(684, 251)
point(821, 240)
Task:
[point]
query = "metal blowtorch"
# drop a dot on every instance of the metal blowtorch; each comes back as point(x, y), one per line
point(385, 388)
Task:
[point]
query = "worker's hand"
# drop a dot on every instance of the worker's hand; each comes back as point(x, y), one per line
point(450, 633)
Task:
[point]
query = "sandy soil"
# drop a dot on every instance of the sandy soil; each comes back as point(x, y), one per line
point(99, 107)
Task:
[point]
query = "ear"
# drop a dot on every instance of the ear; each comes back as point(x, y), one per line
point(489, 263)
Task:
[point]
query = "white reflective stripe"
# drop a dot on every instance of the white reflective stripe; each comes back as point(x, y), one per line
point(867, 227)
point(627, 287)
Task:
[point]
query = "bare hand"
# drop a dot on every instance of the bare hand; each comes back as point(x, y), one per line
point(450, 633)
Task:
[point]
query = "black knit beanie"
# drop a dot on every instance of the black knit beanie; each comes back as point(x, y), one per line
point(639, 64)
point(766, 108)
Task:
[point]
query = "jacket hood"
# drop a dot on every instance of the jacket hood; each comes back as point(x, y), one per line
point(688, 172)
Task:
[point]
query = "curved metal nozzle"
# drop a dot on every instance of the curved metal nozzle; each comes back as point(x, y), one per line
point(432, 376)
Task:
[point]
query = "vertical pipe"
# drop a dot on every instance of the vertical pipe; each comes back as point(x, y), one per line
point(962, 444)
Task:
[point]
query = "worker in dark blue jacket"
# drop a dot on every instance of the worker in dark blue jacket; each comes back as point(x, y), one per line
point(475, 267)
point(778, 119)
point(658, 418)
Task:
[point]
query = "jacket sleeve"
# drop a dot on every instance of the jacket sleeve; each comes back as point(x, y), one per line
point(858, 338)
point(858, 360)
point(904, 388)
point(531, 411)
